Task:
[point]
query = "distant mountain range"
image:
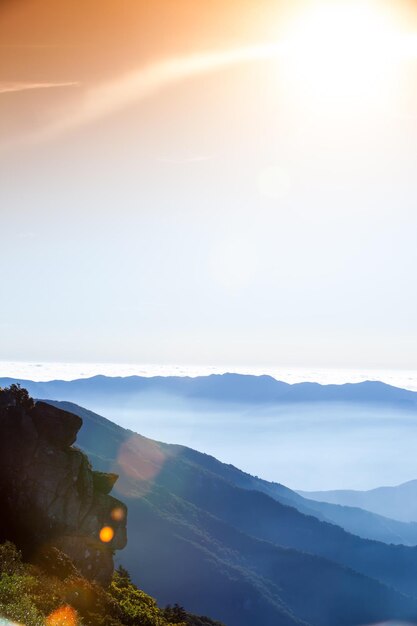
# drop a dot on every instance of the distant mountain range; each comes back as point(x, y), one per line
point(232, 388)
point(399, 502)
point(369, 515)
point(222, 543)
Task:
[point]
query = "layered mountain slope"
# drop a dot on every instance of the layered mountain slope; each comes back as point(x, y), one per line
point(399, 502)
point(355, 520)
point(200, 538)
point(128, 400)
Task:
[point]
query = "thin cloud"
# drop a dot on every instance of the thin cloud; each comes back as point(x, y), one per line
point(108, 98)
point(23, 46)
point(21, 86)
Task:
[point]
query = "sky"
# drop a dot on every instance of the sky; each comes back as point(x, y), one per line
point(209, 182)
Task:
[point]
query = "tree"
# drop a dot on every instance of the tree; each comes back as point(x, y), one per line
point(175, 614)
point(16, 396)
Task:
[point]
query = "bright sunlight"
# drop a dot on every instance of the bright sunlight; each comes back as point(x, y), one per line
point(347, 51)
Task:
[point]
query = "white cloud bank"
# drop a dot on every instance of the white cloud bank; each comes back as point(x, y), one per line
point(405, 379)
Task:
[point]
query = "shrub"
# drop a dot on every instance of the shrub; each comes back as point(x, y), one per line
point(10, 559)
point(16, 603)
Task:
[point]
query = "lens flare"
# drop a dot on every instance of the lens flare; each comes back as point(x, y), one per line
point(64, 616)
point(140, 458)
point(106, 534)
point(117, 514)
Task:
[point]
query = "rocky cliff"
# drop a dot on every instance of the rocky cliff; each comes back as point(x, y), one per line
point(49, 494)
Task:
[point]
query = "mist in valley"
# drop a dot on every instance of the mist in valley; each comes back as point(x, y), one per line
point(307, 446)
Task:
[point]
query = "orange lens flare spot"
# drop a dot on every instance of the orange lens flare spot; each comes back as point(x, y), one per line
point(64, 616)
point(106, 534)
point(117, 514)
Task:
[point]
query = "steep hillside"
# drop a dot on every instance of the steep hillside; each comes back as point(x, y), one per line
point(353, 519)
point(246, 550)
point(54, 593)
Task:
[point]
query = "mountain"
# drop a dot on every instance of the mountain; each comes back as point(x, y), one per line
point(399, 503)
point(223, 390)
point(56, 513)
point(361, 522)
point(48, 492)
point(233, 388)
point(53, 593)
point(198, 537)
point(353, 519)
point(305, 435)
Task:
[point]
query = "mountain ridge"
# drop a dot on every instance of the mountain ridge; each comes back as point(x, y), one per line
point(179, 507)
point(226, 387)
point(397, 502)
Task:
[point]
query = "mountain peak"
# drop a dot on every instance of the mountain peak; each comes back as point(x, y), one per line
point(50, 495)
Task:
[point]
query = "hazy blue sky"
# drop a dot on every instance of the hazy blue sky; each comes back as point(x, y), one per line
point(262, 213)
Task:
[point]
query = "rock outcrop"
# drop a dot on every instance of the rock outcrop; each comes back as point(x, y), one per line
point(49, 494)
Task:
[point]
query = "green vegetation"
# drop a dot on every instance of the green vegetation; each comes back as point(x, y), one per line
point(16, 396)
point(55, 594)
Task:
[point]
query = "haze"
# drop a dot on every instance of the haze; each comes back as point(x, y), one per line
point(245, 207)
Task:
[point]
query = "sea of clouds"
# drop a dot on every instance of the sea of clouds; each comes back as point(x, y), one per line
point(406, 379)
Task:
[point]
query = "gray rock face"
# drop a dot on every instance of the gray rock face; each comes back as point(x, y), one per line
point(50, 496)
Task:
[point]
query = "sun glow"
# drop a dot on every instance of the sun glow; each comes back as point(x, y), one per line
point(333, 55)
point(346, 51)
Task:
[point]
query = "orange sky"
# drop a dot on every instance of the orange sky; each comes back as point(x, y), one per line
point(255, 223)
point(90, 41)
point(96, 40)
